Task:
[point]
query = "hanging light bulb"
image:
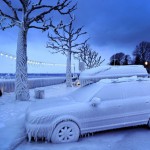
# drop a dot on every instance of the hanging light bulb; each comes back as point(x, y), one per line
point(34, 62)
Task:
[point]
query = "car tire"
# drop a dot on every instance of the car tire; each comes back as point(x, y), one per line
point(65, 132)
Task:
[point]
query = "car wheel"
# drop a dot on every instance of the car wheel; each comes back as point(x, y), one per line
point(65, 132)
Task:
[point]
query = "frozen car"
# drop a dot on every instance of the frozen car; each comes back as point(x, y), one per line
point(107, 104)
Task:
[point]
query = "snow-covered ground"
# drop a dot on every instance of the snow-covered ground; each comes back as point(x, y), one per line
point(122, 139)
point(12, 131)
point(12, 114)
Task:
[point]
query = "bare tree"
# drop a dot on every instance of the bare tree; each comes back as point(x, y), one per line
point(120, 59)
point(142, 53)
point(117, 59)
point(90, 57)
point(64, 41)
point(28, 14)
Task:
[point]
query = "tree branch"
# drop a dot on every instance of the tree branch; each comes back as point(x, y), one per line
point(7, 16)
point(38, 27)
point(8, 3)
point(58, 7)
point(9, 25)
point(89, 57)
point(23, 5)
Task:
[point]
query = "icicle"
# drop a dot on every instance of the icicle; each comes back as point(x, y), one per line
point(48, 137)
point(35, 138)
point(29, 137)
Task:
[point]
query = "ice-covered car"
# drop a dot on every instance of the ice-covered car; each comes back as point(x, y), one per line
point(107, 104)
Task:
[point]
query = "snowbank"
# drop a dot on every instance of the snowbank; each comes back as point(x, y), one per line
point(93, 75)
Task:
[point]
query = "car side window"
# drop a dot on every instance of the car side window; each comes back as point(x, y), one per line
point(111, 92)
point(137, 89)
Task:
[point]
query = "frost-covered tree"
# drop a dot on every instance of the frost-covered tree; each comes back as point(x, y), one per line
point(64, 40)
point(142, 53)
point(28, 14)
point(90, 57)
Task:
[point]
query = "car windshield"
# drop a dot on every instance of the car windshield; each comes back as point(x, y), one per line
point(84, 94)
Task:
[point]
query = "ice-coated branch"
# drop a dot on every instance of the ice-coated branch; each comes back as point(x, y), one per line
point(45, 25)
point(8, 20)
point(90, 57)
point(64, 41)
point(79, 44)
point(7, 16)
point(38, 27)
point(77, 34)
point(9, 25)
point(65, 37)
point(57, 46)
point(39, 3)
point(23, 5)
point(8, 3)
point(46, 9)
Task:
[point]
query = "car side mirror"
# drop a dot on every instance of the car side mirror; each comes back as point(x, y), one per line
point(95, 101)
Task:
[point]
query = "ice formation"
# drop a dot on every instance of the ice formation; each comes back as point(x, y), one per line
point(121, 105)
point(110, 72)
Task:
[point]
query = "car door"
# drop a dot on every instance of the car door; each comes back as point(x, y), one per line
point(108, 114)
point(136, 102)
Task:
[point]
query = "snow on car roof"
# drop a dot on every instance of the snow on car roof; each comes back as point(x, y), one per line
point(104, 72)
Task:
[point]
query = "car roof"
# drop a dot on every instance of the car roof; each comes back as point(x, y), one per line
point(87, 92)
point(111, 72)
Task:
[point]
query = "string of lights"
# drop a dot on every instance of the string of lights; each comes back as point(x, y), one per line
point(33, 62)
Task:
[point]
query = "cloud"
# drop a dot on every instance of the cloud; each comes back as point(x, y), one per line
point(111, 24)
point(116, 23)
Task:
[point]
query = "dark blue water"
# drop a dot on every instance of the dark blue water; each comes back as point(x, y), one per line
point(33, 75)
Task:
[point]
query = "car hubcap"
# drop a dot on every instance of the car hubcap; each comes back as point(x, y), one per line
point(65, 134)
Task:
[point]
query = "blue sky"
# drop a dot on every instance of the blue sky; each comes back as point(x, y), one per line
point(112, 25)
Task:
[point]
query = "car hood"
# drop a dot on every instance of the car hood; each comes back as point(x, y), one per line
point(41, 111)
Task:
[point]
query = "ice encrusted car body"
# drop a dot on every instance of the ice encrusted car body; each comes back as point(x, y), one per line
point(107, 104)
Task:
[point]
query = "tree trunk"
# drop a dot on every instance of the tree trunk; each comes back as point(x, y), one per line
point(68, 71)
point(21, 84)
